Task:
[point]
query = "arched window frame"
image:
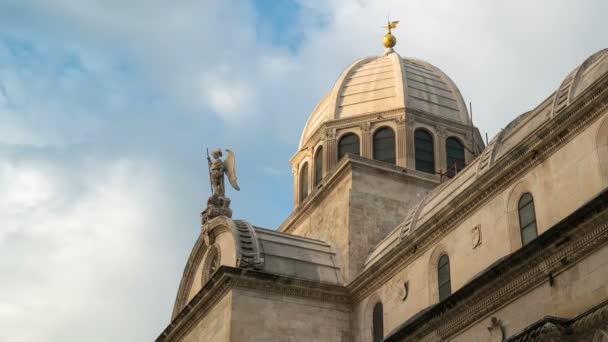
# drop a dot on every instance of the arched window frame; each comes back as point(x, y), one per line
point(419, 152)
point(376, 145)
point(304, 181)
point(449, 163)
point(378, 323)
point(526, 211)
point(211, 263)
point(318, 165)
point(341, 139)
point(444, 278)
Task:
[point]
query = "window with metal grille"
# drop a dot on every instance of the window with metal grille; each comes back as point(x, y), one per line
point(443, 277)
point(303, 182)
point(455, 156)
point(527, 218)
point(424, 151)
point(319, 165)
point(384, 145)
point(349, 143)
point(378, 323)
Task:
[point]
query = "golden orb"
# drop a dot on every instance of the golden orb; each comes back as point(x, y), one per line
point(389, 40)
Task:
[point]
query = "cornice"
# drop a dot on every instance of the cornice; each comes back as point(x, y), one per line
point(338, 173)
point(227, 278)
point(529, 153)
point(550, 254)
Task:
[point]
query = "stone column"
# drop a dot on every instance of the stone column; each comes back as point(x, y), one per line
point(330, 155)
point(296, 188)
point(440, 152)
point(401, 142)
point(410, 159)
point(366, 143)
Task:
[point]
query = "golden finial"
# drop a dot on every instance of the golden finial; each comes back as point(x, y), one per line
point(389, 40)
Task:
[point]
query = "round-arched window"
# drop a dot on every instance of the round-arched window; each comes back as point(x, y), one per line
point(378, 323)
point(424, 152)
point(384, 145)
point(349, 143)
point(304, 182)
point(455, 156)
point(527, 218)
point(443, 277)
point(319, 165)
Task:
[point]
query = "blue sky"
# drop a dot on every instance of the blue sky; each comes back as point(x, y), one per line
point(106, 108)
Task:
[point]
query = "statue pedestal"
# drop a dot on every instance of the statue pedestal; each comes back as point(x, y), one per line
point(216, 206)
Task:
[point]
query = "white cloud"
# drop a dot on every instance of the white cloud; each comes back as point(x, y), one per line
point(76, 248)
point(231, 99)
point(82, 243)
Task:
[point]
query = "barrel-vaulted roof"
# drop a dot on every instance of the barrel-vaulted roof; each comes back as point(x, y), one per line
point(521, 128)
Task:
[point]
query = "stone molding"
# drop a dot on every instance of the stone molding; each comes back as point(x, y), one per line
point(541, 144)
point(335, 175)
point(246, 249)
point(227, 278)
point(584, 328)
point(551, 253)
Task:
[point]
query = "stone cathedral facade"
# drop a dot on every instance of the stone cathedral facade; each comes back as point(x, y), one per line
point(407, 227)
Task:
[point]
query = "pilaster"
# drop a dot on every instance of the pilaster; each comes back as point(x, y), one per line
point(401, 148)
point(366, 143)
point(410, 161)
point(330, 154)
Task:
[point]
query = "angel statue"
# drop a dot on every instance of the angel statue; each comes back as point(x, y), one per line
point(217, 169)
point(218, 204)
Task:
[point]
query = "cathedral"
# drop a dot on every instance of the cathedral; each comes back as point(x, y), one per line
point(406, 226)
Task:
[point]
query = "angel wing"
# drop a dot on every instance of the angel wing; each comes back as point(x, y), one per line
point(394, 24)
point(229, 164)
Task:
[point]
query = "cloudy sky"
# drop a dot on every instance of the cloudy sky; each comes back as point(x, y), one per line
point(106, 108)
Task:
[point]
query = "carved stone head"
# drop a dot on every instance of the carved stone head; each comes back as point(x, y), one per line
point(217, 153)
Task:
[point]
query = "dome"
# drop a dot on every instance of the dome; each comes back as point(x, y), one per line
point(378, 84)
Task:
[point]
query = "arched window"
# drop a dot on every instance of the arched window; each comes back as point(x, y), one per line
point(378, 323)
point(303, 182)
point(319, 165)
point(527, 218)
point(349, 143)
point(443, 277)
point(424, 151)
point(455, 156)
point(384, 145)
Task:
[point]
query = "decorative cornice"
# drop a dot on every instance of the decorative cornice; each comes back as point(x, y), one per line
point(554, 329)
point(550, 253)
point(229, 278)
point(529, 153)
point(339, 171)
point(365, 127)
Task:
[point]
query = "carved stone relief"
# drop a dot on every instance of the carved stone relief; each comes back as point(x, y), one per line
point(406, 290)
point(365, 127)
point(476, 236)
point(496, 330)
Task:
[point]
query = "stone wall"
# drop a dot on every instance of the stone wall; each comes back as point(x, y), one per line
point(215, 325)
point(327, 219)
point(574, 291)
point(378, 203)
point(559, 185)
point(260, 316)
point(359, 210)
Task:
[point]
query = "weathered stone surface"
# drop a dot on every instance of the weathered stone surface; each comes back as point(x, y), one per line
point(369, 227)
